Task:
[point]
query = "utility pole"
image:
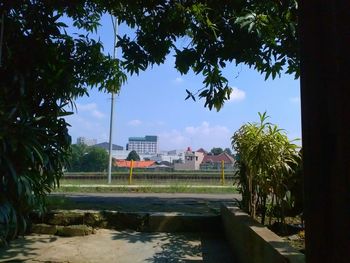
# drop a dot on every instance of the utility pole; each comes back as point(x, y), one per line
point(115, 32)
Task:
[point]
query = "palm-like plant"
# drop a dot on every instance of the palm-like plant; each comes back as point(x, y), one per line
point(266, 161)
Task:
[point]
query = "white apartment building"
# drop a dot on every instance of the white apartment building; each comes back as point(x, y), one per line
point(86, 141)
point(143, 145)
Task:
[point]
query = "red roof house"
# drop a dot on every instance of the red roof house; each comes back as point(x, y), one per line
point(214, 161)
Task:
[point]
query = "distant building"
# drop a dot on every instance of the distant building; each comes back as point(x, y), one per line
point(191, 161)
point(143, 145)
point(105, 145)
point(86, 141)
point(161, 167)
point(169, 156)
point(201, 160)
point(120, 154)
point(211, 162)
point(201, 150)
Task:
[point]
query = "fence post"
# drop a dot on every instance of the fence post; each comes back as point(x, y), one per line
point(131, 168)
point(222, 172)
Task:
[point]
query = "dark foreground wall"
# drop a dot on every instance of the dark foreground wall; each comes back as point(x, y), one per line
point(325, 98)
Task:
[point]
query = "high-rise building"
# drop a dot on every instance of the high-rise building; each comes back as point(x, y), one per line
point(86, 141)
point(143, 145)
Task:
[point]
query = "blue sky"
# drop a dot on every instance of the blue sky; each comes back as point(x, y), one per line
point(152, 103)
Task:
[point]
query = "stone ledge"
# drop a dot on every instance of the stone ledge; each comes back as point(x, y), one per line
point(139, 221)
point(43, 229)
point(74, 230)
point(251, 242)
point(67, 231)
point(182, 222)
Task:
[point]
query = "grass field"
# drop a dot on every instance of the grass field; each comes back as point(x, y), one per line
point(152, 178)
point(149, 182)
point(125, 181)
point(175, 188)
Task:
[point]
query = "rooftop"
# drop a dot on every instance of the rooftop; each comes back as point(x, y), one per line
point(149, 138)
point(218, 158)
point(105, 145)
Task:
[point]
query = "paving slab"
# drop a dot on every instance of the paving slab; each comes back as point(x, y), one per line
point(119, 246)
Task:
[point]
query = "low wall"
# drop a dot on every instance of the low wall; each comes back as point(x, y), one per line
point(138, 221)
point(251, 242)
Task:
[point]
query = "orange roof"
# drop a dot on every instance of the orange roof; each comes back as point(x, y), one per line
point(137, 164)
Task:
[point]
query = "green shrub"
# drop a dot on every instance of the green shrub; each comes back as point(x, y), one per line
point(268, 169)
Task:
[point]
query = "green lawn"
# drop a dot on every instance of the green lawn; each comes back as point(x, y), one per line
point(125, 181)
point(175, 188)
point(148, 182)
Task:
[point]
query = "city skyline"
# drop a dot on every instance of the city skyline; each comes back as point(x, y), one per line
point(94, 142)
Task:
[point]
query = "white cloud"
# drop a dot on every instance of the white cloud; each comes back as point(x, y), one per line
point(179, 80)
point(295, 100)
point(237, 95)
point(159, 123)
point(134, 123)
point(205, 130)
point(154, 124)
point(86, 107)
point(92, 109)
point(86, 127)
point(98, 114)
point(173, 140)
point(204, 135)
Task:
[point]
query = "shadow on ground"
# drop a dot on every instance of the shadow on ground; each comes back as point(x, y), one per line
point(23, 247)
point(119, 246)
point(181, 247)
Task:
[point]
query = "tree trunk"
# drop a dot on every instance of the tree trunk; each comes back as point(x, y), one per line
point(325, 93)
point(263, 209)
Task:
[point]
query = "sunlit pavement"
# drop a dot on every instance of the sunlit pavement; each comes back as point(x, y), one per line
point(119, 246)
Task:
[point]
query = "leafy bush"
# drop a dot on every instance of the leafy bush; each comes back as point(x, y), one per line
point(85, 158)
point(95, 160)
point(268, 169)
point(133, 156)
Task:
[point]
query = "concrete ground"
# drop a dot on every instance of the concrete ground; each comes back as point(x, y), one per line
point(119, 246)
point(129, 246)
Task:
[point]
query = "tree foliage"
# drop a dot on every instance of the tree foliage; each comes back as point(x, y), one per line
point(216, 151)
point(260, 34)
point(95, 160)
point(77, 153)
point(87, 159)
point(228, 151)
point(133, 155)
point(43, 69)
point(269, 168)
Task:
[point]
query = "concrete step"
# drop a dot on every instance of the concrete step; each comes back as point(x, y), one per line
point(138, 221)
